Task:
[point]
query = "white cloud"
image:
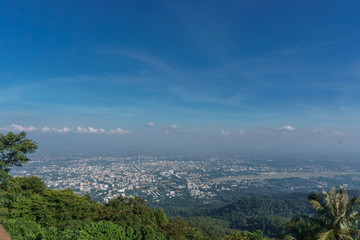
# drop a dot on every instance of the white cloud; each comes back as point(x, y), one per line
point(18, 128)
point(317, 130)
point(241, 131)
point(338, 133)
point(90, 130)
point(31, 128)
point(174, 126)
point(288, 128)
point(93, 130)
point(224, 133)
point(61, 130)
point(45, 129)
point(118, 131)
point(64, 130)
point(150, 124)
point(81, 130)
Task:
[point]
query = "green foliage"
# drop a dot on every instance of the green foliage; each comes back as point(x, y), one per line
point(160, 217)
point(13, 150)
point(213, 228)
point(52, 233)
point(24, 186)
point(184, 206)
point(21, 229)
point(129, 211)
point(300, 228)
point(103, 230)
point(336, 217)
point(30, 211)
point(179, 229)
point(255, 213)
point(244, 235)
point(29, 199)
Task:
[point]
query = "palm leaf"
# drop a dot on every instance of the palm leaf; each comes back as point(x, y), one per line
point(328, 235)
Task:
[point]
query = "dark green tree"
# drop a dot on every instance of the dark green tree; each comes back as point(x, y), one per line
point(13, 150)
point(336, 218)
point(21, 229)
point(336, 215)
point(300, 228)
point(245, 235)
point(160, 217)
point(103, 230)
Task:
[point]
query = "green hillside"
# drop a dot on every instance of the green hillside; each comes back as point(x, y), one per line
point(29, 210)
point(268, 215)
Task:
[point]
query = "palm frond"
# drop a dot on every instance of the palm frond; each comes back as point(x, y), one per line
point(328, 235)
point(353, 204)
point(289, 237)
point(330, 202)
point(355, 233)
point(337, 217)
point(353, 218)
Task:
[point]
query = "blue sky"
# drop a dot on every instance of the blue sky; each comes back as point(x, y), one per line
point(182, 73)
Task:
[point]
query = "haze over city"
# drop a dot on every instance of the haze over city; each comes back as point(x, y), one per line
point(184, 75)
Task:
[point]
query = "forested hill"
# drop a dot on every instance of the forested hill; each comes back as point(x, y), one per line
point(268, 214)
point(265, 214)
point(28, 210)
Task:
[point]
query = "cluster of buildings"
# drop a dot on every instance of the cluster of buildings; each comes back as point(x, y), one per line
point(157, 177)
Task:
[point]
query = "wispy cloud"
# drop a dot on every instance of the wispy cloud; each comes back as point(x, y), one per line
point(308, 46)
point(146, 58)
point(291, 50)
point(10, 94)
point(186, 95)
point(196, 18)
